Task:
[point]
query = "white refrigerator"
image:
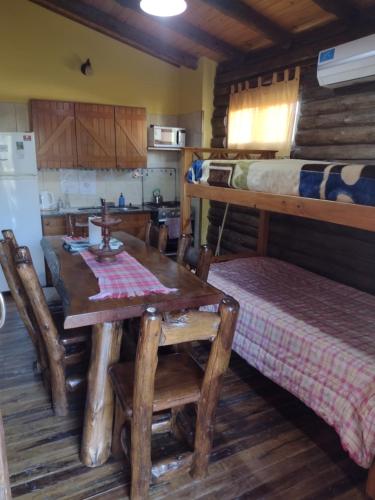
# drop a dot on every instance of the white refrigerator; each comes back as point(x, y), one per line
point(19, 196)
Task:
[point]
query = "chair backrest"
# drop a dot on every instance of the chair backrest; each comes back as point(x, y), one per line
point(20, 297)
point(9, 236)
point(157, 236)
point(186, 327)
point(195, 259)
point(47, 327)
point(76, 226)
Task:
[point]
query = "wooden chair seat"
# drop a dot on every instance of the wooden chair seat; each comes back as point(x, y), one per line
point(167, 394)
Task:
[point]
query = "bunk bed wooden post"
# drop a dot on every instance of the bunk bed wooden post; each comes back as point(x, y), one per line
point(263, 230)
point(370, 484)
point(187, 160)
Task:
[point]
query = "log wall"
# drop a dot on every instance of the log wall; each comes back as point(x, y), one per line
point(335, 124)
point(332, 125)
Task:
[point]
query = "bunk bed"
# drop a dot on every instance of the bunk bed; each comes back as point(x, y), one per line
point(312, 336)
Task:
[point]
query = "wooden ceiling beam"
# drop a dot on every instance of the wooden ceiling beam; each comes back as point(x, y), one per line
point(189, 30)
point(343, 9)
point(305, 49)
point(251, 17)
point(100, 21)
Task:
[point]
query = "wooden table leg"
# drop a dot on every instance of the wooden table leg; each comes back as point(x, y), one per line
point(5, 493)
point(98, 420)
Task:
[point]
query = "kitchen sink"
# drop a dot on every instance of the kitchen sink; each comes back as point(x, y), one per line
point(123, 209)
point(98, 210)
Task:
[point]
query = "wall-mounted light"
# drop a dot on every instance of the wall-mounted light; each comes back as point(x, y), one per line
point(163, 8)
point(86, 68)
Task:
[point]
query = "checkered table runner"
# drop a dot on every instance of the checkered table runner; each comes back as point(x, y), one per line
point(125, 277)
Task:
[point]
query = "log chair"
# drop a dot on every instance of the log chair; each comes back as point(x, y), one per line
point(52, 297)
point(154, 384)
point(64, 349)
point(156, 236)
point(197, 260)
point(8, 249)
point(23, 305)
point(75, 226)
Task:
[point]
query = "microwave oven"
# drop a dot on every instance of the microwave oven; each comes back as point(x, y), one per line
point(166, 137)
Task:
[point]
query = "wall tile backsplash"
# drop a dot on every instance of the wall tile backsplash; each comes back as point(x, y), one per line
point(136, 185)
point(108, 184)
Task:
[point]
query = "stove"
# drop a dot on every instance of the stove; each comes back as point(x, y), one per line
point(167, 210)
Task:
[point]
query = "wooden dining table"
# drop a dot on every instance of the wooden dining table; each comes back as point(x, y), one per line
point(75, 283)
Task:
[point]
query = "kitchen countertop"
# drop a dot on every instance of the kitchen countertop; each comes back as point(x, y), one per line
point(115, 210)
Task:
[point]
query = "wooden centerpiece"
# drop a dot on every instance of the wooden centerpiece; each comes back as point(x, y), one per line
point(103, 252)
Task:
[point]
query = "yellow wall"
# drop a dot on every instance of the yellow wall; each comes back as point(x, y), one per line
point(197, 90)
point(41, 52)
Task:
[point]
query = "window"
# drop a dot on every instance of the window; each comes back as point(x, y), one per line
point(264, 117)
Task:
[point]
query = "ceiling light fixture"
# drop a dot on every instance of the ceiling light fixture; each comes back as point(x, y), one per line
point(163, 8)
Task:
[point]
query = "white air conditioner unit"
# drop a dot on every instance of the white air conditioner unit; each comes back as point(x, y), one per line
point(348, 63)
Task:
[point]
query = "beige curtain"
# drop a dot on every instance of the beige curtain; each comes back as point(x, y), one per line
point(264, 117)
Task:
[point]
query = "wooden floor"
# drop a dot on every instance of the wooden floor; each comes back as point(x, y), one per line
point(267, 445)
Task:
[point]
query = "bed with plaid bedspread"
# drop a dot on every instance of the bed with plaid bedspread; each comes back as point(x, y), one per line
point(312, 336)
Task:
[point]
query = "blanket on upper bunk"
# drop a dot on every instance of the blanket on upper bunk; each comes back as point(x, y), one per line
point(349, 183)
point(312, 336)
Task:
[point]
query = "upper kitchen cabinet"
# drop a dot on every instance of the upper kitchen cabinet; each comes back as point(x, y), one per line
point(131, 137)
point(55, 133)
point(96, 143)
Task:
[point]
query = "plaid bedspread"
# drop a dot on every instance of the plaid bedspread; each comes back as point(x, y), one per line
point(313, 337)
point(125, 277)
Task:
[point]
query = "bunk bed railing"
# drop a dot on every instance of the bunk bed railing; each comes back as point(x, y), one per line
point(347, 214)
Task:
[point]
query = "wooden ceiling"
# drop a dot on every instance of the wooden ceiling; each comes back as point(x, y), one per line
point(218, 29)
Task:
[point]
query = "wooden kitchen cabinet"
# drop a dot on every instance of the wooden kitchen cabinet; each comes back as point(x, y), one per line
point(53, 225)
point(85, 135)
point(96, 143)
point(53, 123)
point(131, 137)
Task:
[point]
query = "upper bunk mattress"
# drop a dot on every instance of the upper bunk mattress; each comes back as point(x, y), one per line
point(349, 183)
point(312, 336)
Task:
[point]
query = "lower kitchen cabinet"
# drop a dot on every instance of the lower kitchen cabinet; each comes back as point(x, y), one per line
point(133, 223)
point(53, 225)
